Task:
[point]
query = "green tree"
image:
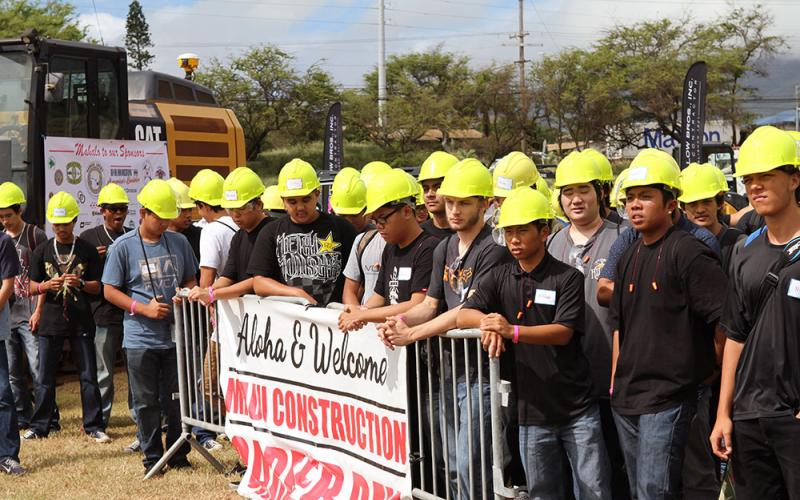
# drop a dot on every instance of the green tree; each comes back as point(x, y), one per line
point(137, 38)
point(52, 19)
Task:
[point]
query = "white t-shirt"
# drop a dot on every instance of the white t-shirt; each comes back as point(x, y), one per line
point(370, 263)
point(215, 242)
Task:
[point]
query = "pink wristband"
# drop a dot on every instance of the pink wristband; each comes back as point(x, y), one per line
point(611, 391)
point(211, 298)
point(133, 308)
point(39, 288)
point(516, 335)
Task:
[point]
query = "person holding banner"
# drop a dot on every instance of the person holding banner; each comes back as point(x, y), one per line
point(460, 262)
point(431, 175)
point(144, 269)
point(302, 255)
point(407, 259)
point(183, 222)
point(113, 202)
point(538, 304)
point(66, 269)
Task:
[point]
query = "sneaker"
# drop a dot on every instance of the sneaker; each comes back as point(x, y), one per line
point(100, 437)
point(11, 467)
point(237, 470)
point(55, 427)
point(134, 447)
point(212, 445)
point(32, 434)
point(234, 485)
point(179, 463)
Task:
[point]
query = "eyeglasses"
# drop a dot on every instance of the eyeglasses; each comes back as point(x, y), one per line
point(381, 221)
point(116, 208)
point(238, 212)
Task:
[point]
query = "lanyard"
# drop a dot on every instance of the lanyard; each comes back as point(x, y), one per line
point(147, 263)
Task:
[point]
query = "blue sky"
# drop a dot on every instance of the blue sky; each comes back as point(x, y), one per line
point(341, 35)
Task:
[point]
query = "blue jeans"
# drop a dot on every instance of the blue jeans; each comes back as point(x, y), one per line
point(21, 344)
point(542, 449)
point(9, 429)
point(654, 445)
point(152, 374)
point(107, 342)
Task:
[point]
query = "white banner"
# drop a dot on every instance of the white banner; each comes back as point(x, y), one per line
point(314, 413)
point(81, 167)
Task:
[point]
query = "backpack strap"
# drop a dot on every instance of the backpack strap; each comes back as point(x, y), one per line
point(362, 245)
point(226, 225)
point(789, 255)
point(754, 235)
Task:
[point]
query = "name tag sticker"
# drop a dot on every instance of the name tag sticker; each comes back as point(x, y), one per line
point(504, 182)
point(59, 212)
point(404, 274)
point(231, 195)
point(794, 289)
point(546, 297)
point(637, 174)
point(294, 183)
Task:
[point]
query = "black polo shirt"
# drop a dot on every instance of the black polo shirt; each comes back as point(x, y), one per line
point(667, 299)
point(557, 381)
point(405, 271)
point(429, 227)
point(768, 375)
point(241, 248)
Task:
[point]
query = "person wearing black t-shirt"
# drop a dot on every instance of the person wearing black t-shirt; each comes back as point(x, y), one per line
point(664, 310)
point(67, 269)
point(303, 254)
point(538, 303)
point(113, 202)
point(758, 416)
point(431, 175)
point(405, 270)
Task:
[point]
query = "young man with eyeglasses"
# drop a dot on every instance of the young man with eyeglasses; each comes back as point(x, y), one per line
point(25, 309)
point(407, 259)
point(302, 254)
point(66, 269)
point(113, 202)
point(144, 269)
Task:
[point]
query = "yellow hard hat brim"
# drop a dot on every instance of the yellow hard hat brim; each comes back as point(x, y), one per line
point(691, 198)
point(61, 220)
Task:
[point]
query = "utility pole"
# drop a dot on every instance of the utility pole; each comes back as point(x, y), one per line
point(520, 36)
point(381, 64)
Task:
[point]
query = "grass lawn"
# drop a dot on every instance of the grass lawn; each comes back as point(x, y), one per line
point(70, 465)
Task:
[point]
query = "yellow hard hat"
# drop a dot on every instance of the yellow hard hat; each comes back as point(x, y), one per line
point(393, 186)
point(297, 178)
point(206, 187)
point(11, 194)
point(112, 194)
point(181, 193)
point(796, 136)
point(555, 203)
point(467, 178)
point(767, 148)
point(542, 187)
point(420, 195)
point(606, 171)
point(240, 187)
point(62, 208)
point(514, 170)
point(653, 166)
point(700, 182)
point(272, 199)
point(523, 206)
point(349, 193)
point(373, 169)
point(159, 197)
point(436, 166)
point(616, 192)
point(577, 168)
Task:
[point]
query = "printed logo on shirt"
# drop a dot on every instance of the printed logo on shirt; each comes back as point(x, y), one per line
point(394, 287)
point(458, 279)
point(306, 256)
point(597, 268)
point(546, 297)
point(794, 289)
point(163, 272)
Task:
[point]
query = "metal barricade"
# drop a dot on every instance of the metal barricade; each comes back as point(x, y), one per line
point(201, 399)
point(458, 413)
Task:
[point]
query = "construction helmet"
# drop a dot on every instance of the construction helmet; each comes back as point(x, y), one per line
point(181, 193)
point(436, 166)
point(653, 166)
point(606, 171)
point(349, 193)
point(542, 187)
point(796, 136)
point(112, 194)
point(11, 194)
point(272, 199)
point(577, 168)
point(467, 178)
point(297, 178)
point(159, 197)
point(700, 182)
point(393, 186)
point(767, 148)
point(240, 187)
point(62, 208)
point(420, 195)
point(524, 206)
point(555, 203)
point(616, 192)
point(373, 169)
point(513, 170)
point(206, 187)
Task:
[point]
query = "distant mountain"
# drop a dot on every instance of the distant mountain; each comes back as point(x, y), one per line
point(776, 91)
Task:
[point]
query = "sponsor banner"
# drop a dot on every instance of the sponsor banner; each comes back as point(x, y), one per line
point(81, 167)
point(314, 413)
point(334, 145)
point(693, 114)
